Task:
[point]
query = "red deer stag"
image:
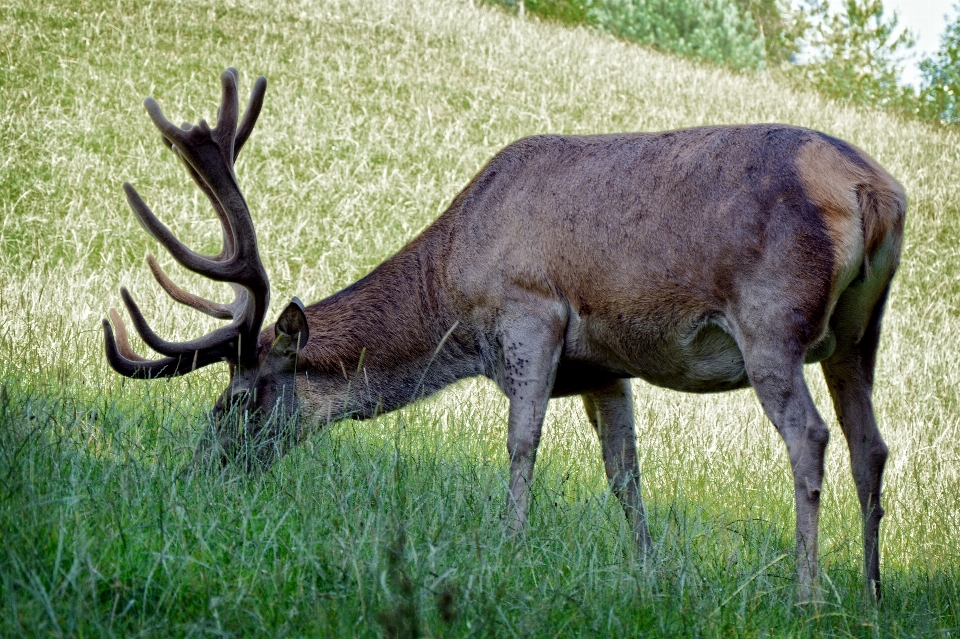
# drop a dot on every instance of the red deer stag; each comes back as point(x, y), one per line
point(701, 260)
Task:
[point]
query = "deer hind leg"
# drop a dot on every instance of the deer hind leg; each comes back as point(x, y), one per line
point(849, 375)
point(776, 373)
point(610, 411)
point(531, 340)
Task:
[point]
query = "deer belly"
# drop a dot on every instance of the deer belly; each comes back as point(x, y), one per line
point(703, 359)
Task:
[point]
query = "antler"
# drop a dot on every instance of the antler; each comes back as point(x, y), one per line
point(209, 156)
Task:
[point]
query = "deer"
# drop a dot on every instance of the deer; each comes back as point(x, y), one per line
point(701, 260)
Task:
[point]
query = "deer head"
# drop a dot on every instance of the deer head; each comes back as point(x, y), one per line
point(262, 374)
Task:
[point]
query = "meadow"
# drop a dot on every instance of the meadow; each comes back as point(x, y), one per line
point(377, 113)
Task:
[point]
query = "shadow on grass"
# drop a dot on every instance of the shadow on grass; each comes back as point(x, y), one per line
point(380, 529)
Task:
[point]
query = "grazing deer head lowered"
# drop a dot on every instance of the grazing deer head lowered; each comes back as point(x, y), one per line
point(701, 260)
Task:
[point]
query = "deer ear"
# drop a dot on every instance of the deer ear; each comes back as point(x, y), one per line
point(292, 330)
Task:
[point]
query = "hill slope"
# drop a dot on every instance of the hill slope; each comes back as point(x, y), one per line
point(377, 113)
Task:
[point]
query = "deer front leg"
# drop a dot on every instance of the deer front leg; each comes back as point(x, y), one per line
point(778, 381)
point(610, 411)
point(531, 343)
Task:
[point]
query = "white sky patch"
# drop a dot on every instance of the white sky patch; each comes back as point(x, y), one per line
point(925, 18)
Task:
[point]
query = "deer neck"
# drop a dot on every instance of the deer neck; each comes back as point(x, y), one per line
point(385, 341)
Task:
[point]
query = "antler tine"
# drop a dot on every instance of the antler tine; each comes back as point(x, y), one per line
point(125, 361)
point(227, 114)
point(214, 268)
point(211, 308)
point(250, 115)
point(123, 342)
point(222, 340)
point(170, 131)
point(119, 356)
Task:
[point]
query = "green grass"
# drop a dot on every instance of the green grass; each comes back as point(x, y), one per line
point(377, 113)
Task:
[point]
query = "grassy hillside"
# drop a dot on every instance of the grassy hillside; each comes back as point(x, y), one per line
point(377, 113)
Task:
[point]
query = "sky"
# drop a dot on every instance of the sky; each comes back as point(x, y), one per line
point(925, 18)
